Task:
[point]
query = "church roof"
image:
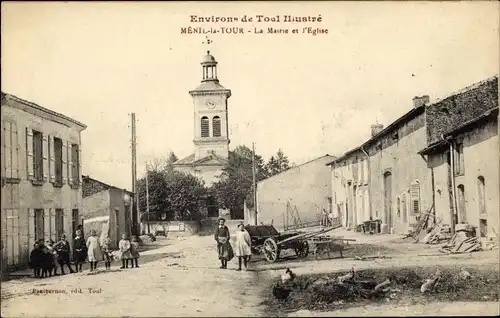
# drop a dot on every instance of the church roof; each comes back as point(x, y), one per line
point(210, 86)
point(210, 160)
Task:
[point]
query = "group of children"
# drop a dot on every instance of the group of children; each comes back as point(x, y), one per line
point(47, 256)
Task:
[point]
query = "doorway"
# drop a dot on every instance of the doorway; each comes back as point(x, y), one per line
point(387, 199)
point(461, 204)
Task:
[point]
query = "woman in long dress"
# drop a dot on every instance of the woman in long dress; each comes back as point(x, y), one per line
point(94, 253)
point(224, 249)
point(243, 246)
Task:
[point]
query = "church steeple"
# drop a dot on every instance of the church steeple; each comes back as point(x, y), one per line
point(209, 66)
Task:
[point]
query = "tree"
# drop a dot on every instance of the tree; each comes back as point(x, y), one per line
point(278, 163)
point(235, 183)
point(170, 161)
point(171, 193)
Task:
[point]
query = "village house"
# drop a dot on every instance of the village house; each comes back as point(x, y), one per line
point(466, 183)
point(41, 177)
point(384, 179)
point(294, 196)
point(106, 209)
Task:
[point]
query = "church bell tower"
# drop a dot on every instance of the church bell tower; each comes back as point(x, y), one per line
point(210, 99)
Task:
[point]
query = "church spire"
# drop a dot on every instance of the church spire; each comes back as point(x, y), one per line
point(209, 65)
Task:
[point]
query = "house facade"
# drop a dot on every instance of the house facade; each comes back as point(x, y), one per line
point(41, 177)
point(384, 178)
point(106, 210)
point(462, 154)
point(297, 195)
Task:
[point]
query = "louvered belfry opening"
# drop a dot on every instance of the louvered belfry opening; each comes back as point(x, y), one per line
point(205, 127)
point(216, 126)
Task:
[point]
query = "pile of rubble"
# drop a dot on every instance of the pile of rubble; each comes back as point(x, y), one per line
point(464, 241)
point(438, 234)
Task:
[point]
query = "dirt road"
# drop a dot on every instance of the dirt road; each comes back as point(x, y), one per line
point(186, 282)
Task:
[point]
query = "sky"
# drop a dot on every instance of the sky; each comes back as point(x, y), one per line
point(308, 95)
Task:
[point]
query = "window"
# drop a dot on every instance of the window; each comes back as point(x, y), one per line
point(74, 221)
point(459, 159)
point(415, 197)
point(481, 196)
point(398, 207)
point(58, 158)
point(10, 151)
point(59, 224)
point(362, 170)
point(38, 155)
point(205, 127)
point(39, 224)
point(355, 170)
point(75, 163)
point(216, 126)
point(483, 227)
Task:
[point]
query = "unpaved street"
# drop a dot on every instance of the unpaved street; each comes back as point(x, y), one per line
point(186, 282)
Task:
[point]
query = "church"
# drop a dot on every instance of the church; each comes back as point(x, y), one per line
point(211, 132)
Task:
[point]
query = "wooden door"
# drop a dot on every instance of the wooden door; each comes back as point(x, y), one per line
point(388, 199)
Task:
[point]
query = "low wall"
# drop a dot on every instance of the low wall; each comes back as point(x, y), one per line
point(173, 228)
point(209, 225)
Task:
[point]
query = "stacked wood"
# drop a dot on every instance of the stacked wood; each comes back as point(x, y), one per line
point(460, 243)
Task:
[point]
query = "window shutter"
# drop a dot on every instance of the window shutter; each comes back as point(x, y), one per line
point(31, 228)
point(70, 163)
point(52, 219)
point(79, 165)
point(46, 224)
point(52, 160)
point(30, 168)
point(64, 161)
point(415, 197)
point(7, 151)
point(15, 150)
point(45, 155)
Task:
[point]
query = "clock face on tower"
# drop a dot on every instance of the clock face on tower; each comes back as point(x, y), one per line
point(210, 103)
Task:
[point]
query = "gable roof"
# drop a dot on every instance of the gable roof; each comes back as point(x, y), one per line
point(91, 186)
point(210, 160)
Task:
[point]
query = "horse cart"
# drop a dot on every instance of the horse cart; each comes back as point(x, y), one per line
point(268, 241)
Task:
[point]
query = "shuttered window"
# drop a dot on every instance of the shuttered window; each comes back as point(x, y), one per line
point(10, 150)
point(205, 127)
point(39, 224)
point(216, 126)
point(415, 197)
point(75, 163)
point(404, 208)
point(38, 155)
point(58, 160)
point(59, 224)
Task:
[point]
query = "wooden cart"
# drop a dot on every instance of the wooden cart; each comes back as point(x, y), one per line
point(268, 241)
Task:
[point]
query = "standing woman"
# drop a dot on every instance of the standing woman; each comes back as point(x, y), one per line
point(243, 248)
point(80, 251)
point(224, 249)
point(94, 253)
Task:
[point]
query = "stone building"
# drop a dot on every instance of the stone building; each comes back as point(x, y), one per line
point(41, 177)
point(466, 185)
point(297, 195)
point(384, 178)
point(211, 131)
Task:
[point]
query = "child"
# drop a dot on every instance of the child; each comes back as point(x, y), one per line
point(108, 253)
point(80, 251)
point(63, 251)
point(36, 260)
point(134, 250)
point(125, 255)
point(55, 257)
point(243, 248)
point(94, 253)
point(47, 260)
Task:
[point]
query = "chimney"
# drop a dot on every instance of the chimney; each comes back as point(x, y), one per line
point(420, 101)
point(377, 128)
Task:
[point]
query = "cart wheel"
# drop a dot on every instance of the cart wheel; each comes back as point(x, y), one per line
point(303, 250)
point(271, 250)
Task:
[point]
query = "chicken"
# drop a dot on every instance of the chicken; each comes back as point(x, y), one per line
point(287, 276)
point(280, 292)
point(347, 277)
point(464, 274)
point(430, 284)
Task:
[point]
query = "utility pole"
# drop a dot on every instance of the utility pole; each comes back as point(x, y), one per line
point(147, 196)
point(254, 183)
point(134, 178)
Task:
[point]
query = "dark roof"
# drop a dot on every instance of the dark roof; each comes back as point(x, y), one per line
point(105, 185)
point(191, 161)
point(467, 126)
point(414, 112)
point(6, 97)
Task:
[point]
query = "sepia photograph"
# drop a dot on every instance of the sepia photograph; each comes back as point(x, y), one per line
point(250, 158)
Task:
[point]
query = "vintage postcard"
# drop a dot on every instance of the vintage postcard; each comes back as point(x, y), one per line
point(222, 159)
